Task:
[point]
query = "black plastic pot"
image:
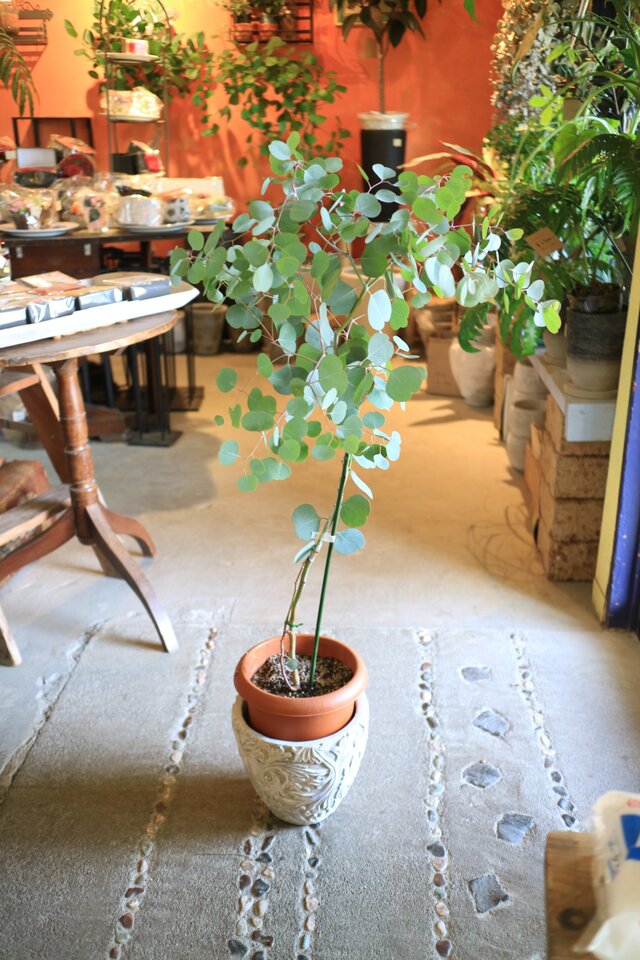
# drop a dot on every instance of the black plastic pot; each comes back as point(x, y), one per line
point(387, 147)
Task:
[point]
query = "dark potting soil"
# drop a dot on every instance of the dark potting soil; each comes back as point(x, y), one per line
point(331, 674)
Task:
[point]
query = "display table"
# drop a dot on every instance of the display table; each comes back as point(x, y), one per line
point(78, 252)
point(82, 512)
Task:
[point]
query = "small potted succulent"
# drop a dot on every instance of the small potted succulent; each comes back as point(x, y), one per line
point(301, 718)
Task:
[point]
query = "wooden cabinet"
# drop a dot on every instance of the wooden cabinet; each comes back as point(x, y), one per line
point(78, 258)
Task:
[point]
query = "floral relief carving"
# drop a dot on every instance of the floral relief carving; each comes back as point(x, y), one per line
point(303, 783)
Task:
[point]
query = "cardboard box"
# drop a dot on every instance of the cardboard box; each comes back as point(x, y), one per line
point(440, 380)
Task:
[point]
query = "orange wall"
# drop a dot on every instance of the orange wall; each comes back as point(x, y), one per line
point(441, 81)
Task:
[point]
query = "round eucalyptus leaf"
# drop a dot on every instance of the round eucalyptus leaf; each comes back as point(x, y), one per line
point(380, 349)
point(306, 521)
point(349, 541)
point(339, 412)
point(265, 367)
point(332, 374)
point(195, 239)
point(226, 380)
point(289, 450)
point(323, 452)
point(373, 419)
point(379, 309)
point(247, 484)
point(263, 278)
point(404, 382)
point(229, 452)
point(355, 511)
point(257, 421)
point(279, 150)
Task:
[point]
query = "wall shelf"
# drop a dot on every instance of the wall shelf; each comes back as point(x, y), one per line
point(295, 28)
point(32, 24)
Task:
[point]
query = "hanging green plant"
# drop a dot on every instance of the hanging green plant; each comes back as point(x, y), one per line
point(278, 91)
point(184, 65)
point(15, 74)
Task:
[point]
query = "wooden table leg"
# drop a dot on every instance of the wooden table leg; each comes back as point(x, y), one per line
point(93, 521)
point(9, 652)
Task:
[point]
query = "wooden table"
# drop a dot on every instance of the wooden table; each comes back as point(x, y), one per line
point(78, 252)
point(570, 899)
point(82, 512)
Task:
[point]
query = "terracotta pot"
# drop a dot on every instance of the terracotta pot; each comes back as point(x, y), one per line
point(304, 718)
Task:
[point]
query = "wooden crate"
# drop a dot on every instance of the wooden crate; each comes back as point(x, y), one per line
point(570, 900)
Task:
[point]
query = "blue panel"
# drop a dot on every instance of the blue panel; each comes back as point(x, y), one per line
point(623, 601)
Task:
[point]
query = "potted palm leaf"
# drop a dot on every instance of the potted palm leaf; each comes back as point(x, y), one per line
point(300, 719)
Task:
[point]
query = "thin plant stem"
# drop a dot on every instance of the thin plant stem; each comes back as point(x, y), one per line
point(327, 565)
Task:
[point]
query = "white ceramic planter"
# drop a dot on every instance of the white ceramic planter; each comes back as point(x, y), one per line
point(473, 372)
point(302, 782)
point(375, 120)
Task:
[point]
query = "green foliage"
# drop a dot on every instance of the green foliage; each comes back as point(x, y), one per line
point(16, 75)
point(185, 64)
point(276, 89)
point(388, 21)
point(341, 364)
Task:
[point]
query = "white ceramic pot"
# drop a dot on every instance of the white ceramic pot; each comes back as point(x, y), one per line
point(516, 447)
point(302, 782)
point(375, 120)
point(525, 412)
point(526, 380)
point(473, 372)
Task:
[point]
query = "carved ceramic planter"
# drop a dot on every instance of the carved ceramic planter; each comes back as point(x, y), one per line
point(303, 782)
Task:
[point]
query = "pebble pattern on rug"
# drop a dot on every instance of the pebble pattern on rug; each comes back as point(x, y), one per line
point(566, 808)
point(309, 897)
point(137, 886)
point(256, 876)
point(437, 851)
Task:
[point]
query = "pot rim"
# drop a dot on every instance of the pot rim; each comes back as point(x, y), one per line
point(361, 712)
point(300, 706)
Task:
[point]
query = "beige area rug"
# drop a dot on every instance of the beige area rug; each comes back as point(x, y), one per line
point(129, 829)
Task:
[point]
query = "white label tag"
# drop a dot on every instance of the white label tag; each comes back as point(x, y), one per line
point(544, 242)
point(397, 142)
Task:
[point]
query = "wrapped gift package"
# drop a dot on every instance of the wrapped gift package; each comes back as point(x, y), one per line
point(33, 209)
point(98, 297)
point(140, 211)
point(138, 103)
point(51, 307)
point(615, 932)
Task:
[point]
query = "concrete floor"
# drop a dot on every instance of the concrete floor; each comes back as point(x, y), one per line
point(449, 552)
point(448, 543)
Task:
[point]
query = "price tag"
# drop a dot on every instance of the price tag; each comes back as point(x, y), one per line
point(544, 242)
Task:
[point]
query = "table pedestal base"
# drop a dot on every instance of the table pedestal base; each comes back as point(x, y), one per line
point(87, 517)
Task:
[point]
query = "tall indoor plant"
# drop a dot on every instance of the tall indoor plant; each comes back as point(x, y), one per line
point(383, 133)
point(344, 366)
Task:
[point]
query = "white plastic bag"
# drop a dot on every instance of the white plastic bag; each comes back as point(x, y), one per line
point(615, 931)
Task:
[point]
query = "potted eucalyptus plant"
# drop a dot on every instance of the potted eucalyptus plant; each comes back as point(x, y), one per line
point(300, 720)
